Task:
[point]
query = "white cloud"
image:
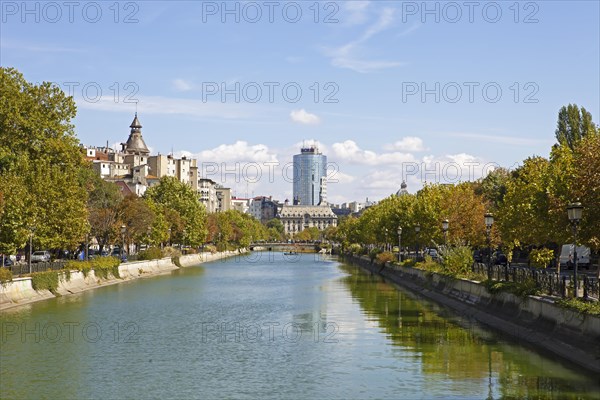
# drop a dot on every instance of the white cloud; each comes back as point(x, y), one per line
point(355, 12)
point(239, 151)
point(349, 151)
point(182, 85)
point(350, 55)
point(407, 143)
point(303, 117)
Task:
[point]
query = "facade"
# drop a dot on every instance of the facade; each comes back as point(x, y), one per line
point(134, 167)
point(263, 208)
point(241, 204)
point(310, 175)
point(296, 218)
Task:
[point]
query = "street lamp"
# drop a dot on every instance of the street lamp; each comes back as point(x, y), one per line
point(149, 230)
point(417, 230)
point(575, 211)
point(170, 241)
point(123, 230)
point(31, 230)
point(182, 249)
point(489, 221)
point(445, 225)
point(399, 244)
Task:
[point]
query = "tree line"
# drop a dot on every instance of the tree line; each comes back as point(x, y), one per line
point(529, 203)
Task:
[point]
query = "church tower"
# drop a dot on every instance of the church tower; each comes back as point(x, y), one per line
point(135, 144)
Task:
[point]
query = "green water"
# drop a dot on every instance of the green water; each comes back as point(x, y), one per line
point(301, 327)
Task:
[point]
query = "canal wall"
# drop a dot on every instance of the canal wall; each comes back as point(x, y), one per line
point(533, 320)
point(19, 291)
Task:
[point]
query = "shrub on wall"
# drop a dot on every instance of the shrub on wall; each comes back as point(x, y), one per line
point(47, 280)
point(153, 253)
point(5, 275)
point(103, 266)
point(385, 257)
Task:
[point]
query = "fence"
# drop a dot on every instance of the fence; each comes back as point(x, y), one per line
point(547, 282)
point(22, 268)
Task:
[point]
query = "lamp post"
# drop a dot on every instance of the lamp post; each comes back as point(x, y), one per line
point(445, 225)
point(575, 211)
point(417, 230)
point(170, 242)
point(399, 244)
point(149, 231)
point(489, 221)
point(183, 238)
point(385, 245)
point(123, 230)
point(31, 229)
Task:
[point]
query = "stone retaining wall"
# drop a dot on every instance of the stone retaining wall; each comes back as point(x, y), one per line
point(19, 291)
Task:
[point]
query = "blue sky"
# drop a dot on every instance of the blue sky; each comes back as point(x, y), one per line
point(373, 58)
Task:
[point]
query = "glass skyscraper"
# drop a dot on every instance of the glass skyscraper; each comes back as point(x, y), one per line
point(310, 176)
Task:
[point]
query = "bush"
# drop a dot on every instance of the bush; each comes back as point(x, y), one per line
point(373, 254)
point(581, 306)
point(210, 248)
point(385, 257)
point(521, 289)
point(457, 261)
point(153, 253)
point(541, 258)
point(5, 275)
point(354, 248)
point(81, 266)
point(45, 281)
point(103, 266)
point(174, 254)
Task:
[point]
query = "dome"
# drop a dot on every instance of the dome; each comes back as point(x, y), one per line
point(402, 190)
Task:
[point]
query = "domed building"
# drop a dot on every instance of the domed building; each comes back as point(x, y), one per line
point(403, 191)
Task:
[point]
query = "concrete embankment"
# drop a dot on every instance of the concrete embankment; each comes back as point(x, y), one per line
point(533, 320)
point(20, 291)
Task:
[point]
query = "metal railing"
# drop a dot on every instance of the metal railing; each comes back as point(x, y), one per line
point(20, 269)
point(546, 281)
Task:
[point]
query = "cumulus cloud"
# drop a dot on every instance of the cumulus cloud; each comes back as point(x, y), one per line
point(349, 151)
point(408, 143)
point(303, 117)
point(239, 151)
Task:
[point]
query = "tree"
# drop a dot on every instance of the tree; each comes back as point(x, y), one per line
point(587, 188)
point(103, 207)
point(41, 166)
point(523, 215)
point(493, 187)
point(573, 125)
point(179, 203)
point(138, 217)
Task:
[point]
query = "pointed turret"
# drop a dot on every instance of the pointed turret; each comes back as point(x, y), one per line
point(135, 144)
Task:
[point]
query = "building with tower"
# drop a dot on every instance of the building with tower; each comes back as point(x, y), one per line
point(133, 167)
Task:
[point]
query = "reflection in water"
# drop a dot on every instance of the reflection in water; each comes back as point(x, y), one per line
point(459, 350)
point(358, 337)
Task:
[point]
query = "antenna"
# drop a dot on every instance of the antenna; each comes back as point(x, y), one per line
point(136, 103)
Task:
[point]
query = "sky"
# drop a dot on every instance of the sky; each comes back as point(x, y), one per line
point(390, 91)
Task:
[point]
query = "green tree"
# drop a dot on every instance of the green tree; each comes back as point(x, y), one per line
point(178, 202)
point(41, 166)
point(103, 210)
point(573, 125)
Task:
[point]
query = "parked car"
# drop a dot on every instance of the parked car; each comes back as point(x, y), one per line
point(499, 258)
point(40, 256)
point(433, 253)
point(7, 261)
point(478, 256)
point(116, 252)
point(567, 253)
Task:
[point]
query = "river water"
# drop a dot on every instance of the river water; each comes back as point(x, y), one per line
point(265, 326)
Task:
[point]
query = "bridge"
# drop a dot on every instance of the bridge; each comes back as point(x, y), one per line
point(277, 246)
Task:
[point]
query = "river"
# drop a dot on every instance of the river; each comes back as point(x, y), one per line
point(265, 326)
